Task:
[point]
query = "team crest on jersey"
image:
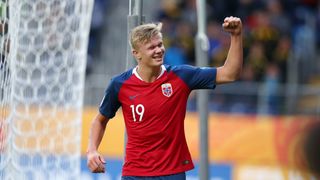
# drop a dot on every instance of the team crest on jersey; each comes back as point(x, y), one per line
point(166, 89)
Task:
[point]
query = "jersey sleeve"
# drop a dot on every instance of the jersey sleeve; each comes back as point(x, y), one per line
point(197, 77)
point(110, 102)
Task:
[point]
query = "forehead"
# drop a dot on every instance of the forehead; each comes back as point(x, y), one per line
point(153, 41)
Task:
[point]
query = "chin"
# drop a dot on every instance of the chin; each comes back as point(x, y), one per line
point(159, 62)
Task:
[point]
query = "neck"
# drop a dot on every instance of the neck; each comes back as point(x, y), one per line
point(149, 74)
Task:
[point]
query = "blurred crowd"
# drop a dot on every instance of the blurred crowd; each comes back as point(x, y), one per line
point(269, 30)
point(272, 30)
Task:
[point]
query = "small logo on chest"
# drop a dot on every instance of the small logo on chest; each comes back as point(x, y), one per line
point(133, 96)
point(167, 89)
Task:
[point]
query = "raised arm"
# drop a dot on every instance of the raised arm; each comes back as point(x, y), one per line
point(232, 67)
point(95, 160)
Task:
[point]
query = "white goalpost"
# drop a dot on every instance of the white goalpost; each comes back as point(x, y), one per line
point(41, 87)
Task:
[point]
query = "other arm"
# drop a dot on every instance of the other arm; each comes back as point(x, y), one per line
point(95, 160)
point(232, 67)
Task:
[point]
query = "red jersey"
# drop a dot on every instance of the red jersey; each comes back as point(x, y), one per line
point(154, 117)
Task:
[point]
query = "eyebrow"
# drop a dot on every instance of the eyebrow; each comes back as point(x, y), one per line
point(154, 45)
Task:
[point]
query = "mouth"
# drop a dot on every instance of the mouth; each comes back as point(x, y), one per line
point(158, 58)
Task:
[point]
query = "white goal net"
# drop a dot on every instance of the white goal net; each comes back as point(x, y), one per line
point(43, 57)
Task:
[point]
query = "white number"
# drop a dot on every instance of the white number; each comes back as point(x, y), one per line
point(139, 110)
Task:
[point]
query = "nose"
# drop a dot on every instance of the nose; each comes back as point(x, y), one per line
point(160, 49)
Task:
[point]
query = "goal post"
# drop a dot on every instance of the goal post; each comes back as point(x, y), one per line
point(47, 61)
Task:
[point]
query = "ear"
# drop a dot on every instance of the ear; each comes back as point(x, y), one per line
point(136, 54)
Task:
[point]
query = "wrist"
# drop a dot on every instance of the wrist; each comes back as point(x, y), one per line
point(91, 150)
point(236, 34)
point(236, 37)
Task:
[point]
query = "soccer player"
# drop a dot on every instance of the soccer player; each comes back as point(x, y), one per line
point(153, 97)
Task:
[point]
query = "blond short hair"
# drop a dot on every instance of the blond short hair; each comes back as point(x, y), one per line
point(143, 34)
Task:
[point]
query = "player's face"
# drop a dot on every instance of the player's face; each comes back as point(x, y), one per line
point(151, 54)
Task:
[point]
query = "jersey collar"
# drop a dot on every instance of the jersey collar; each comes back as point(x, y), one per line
point(134, 71)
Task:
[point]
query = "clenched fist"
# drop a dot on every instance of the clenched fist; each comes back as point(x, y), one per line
point(232, 25)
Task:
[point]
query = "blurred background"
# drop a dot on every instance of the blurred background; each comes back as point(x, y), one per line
point(261, 126)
